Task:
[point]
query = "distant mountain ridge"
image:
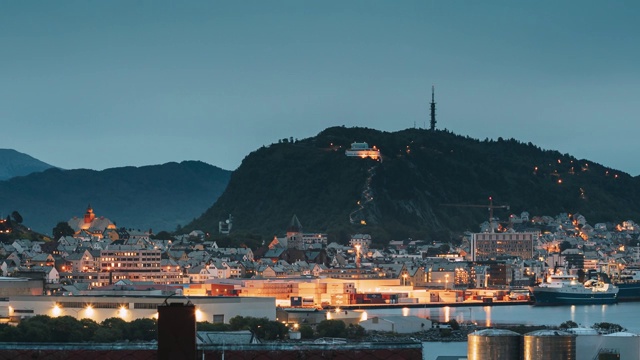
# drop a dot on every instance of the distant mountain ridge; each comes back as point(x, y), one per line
point(14, 163)
point(158, 197)
point(404, 195)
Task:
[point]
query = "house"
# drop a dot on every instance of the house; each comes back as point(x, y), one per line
point(9, 266)
point(48, 273)
point(197, 234)
point(42, 260)
point(234, 268)
point(360, 241)
point(270, 271)
point(81, 262)
point(318, 269)
point(22, 245)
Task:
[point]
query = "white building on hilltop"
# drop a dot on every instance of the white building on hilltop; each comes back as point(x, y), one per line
point(363, 150)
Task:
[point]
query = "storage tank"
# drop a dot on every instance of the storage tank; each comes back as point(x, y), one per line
point(493, 344)
point(623, 344)
point(549, 345)
point(588, 342)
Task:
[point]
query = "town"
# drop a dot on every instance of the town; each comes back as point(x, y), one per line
point(300, 270)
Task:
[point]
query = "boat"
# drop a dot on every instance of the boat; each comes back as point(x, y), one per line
point(567, 290)
point(628, 281)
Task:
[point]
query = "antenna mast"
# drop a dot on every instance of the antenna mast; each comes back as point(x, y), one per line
point(433, 108)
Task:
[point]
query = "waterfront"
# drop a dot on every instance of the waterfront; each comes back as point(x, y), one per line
point(625, 314)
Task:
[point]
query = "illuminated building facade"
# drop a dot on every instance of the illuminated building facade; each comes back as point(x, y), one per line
point(124, 262)
point(217, 309)
point(297, 239)
point(488, 246)
point(95, 226)
point(363, 150)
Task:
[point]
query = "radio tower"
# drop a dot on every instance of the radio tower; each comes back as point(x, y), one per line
point(433, 109)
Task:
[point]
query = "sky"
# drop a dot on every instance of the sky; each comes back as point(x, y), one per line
point(102, 84)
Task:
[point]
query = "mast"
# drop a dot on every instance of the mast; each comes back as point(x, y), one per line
point(433, 109)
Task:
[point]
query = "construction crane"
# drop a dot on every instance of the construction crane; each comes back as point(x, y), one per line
point(490, 207)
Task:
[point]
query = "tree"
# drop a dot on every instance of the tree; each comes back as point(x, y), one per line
point(355, 331)
point(62, 229)
point(331, 328)
point(239, 323)
point(207, 326)
point(568, 325)
point(608, 328)
point(163, 235)
point(564, 246)
point(274, 330)
point(16, 217)
point(89, 328)
point(143, 329)
point(35, 329)
point(306, 332)
point(262, 327)
point(66, 329)
point(8, 333)
point(111, 330)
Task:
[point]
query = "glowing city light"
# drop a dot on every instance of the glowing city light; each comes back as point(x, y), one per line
point(199, 315)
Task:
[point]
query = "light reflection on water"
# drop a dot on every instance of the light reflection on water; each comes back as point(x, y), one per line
point(625, 314)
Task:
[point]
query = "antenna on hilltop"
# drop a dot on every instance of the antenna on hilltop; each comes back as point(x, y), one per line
point(433, 108)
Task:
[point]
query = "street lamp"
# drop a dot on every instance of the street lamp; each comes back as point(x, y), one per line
point(446, 281)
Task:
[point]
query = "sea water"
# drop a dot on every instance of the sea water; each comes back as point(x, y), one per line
point(625, 314)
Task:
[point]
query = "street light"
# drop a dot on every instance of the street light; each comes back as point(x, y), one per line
point(446, 281)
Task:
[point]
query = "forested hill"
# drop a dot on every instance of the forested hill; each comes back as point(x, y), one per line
point(159, 197)
point(421, 170)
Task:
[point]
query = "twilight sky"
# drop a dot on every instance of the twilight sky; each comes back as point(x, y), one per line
point(100, 84)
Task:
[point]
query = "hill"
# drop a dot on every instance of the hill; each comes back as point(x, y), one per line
point(159, 197)
point(403, 195)
point(14, 163)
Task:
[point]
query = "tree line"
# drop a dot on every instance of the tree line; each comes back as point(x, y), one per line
point(67, 329)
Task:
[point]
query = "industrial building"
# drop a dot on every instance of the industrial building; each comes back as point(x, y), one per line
point(217, 309)
point(489, 246)
point(577, 343)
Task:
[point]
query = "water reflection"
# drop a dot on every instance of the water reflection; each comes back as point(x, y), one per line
point(625, 314)
point(487, 313)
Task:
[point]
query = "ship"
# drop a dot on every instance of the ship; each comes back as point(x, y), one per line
point(628, 281)
point(567, 290)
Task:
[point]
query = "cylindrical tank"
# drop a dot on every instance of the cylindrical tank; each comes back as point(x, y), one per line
point(549, 345)
point(623, 344)
point(493, 344)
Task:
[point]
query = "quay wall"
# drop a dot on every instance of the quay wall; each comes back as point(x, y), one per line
point(285, 351)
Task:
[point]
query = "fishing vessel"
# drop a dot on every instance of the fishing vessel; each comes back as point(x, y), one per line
point(567, 290)
point(628, 281)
